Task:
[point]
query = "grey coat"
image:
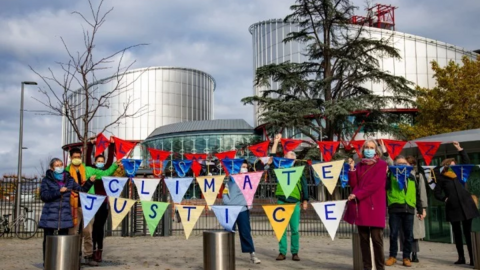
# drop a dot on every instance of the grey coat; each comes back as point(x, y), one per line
point(419, 225)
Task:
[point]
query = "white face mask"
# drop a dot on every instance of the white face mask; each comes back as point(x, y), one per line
point(243, 170)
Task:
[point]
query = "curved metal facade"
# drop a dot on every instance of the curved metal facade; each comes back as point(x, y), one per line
point(168, 94)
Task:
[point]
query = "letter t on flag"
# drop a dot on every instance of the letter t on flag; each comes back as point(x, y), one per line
point(394, 148)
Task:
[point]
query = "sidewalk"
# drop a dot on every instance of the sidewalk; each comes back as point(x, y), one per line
point(174, 253)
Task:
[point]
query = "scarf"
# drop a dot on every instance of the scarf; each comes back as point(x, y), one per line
point(369, 161)
point(450, 174)
point(74, 195)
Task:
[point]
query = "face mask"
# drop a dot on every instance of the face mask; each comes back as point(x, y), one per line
point(58, 176)
point(369, 153)
point(59, 170)
point(100, 165)
point(243, 170)
point(76, 161)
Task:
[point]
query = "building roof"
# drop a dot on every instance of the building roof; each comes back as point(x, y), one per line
point(202, 127)
point(459, 136)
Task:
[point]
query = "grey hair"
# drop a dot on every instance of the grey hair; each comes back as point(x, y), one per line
point(400, 157)
point(293, 153)
point(377, 148)
point(53, 161)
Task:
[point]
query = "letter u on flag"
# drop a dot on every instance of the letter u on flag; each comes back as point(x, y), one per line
point(102, 143)
point(288, 178)
point(119, 208)
point(289, 145)
point(280, 162)
point(178, 187)
point(158, 156)
point(328, 149)
point(331, 213)
point(189, 215)
point(182, 166)
point(114, 185)
point(210, 186)
point(131, 166)
point(329, 173)
point(462, 171)
point(227, 215)
point(279, 217)
point(90, 204)
point(232, 166)
point(248, 183)
point(401, 173)
point(260, 149)
point(153, 212)
point(122, 147)
point(146, 187)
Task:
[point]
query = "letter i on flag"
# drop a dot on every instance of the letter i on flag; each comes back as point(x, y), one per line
point(119, 208)
point(248, 184)
point(227, 215)
point(210, 186)
point(178, 187)
point(279, 217)
point(331, 214)
point(146, 187)
point(329, 173)
point(114, 185)
point(462, 171)
point(288, 178)
point(153, 212)
point(189, 215)
point(90, 204)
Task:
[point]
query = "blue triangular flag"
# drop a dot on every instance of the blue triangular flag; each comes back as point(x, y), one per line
point(182, 166)
point(252, 160)
point(90, 205)
point(316, 177)
point(178, 187)
point(462, 171)
point(344, 175)
point(227, 215)
point(233, 166)
point(283, 163)
point(114, 185)
point(401, 173)
point(131, 166)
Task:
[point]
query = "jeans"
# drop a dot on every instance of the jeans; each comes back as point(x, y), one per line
point(47, 232)
point(295, 237)
point(377, 240)
point(245, 231)
point(402, 221)
point(98, 232)
point(457, 233)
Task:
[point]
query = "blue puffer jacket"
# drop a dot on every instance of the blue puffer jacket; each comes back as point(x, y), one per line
point(56, 213)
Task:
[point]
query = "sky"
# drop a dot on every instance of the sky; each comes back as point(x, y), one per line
point(209, 35)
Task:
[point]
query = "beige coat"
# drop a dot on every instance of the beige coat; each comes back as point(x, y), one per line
point(419, 225)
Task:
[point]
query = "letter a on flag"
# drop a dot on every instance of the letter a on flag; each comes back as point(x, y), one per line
point(146, 187)
point(153, 212)
point(329, 173)
point(210, 185)
point(279, 216)
point(114, 185)
point(119, 208)
point(189, 215)
point(227, 215)
point(90, 204)
point(178, 187)
point(248, 183)
point(331, 213)
point(288, 178)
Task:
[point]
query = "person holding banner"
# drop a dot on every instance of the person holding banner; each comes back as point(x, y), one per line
point(55, 191)
point(367, 203)
point(101, 216)
point(232, 195)
point(460, 208)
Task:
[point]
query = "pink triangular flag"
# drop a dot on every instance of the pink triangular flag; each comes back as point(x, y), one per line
point(248, 183)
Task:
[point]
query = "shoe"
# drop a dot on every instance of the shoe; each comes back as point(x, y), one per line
point(460, 261)
point(254, 258)
point(415, 258)
point(295, 257)
point(89, 261)
point(95, 255)
point(471, 263)
point(407, 262)
point(390, 261)
point(281, 257)
point(99, 255)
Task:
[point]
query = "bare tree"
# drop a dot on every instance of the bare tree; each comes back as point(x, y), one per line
point(77, 94)
point(43, 165)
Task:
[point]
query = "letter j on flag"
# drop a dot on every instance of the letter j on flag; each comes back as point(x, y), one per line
point(90, 205)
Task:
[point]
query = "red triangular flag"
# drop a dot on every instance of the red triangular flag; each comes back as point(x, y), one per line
point(289, 145)
point(196, 168)
point(394, 148)
point(223, 155)
point(158, 156)
point(102, 143)
point(328, 149)
point(357, 145)
point(260, 149)
point(196, 157)
point(122, 147)
point(428, 150)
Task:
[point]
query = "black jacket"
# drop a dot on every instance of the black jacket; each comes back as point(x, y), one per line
point(460, 205)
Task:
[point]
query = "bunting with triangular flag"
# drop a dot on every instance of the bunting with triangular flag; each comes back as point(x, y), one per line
point(428, 150)
point(182, 166)
point(328, 149)
point(153, 213)
point(119, 208)
point(131, 166)
point(146, 187)
point(227, 215)
point(260, 149)
point(331, 213)
point(289, 145)
point(462, 171)
point(232, 166)
point(178, 187)
point(401, 173)
point(288, 178)
point(329, 173)
point(101, 144)
point(394, 148)
point(189, 215)
point(358, 145)
point(210, 186)
point(90, 204)
point(280, 162)
point(248, 183)
point(158, 158)
point(279, 217)
point(114, 185)
point(122, 147)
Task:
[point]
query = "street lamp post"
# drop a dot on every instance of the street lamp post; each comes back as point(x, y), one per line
point(20, 147)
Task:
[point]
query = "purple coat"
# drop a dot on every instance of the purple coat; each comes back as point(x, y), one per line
point(368, 184)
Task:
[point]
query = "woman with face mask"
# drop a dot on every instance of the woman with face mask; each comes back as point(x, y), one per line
point(460, 208)
point(367, 203)
point(98, 231)
point(55, 191)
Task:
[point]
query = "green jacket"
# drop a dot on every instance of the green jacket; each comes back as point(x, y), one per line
point(299, 193)
point(406, 200)
point(89, 171)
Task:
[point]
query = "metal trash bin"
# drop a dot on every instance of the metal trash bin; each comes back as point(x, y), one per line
point(218, 250)
point(476, 249)
point(61, 252)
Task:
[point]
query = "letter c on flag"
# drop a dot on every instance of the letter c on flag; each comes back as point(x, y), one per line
point(275, 214)
point(110, 185)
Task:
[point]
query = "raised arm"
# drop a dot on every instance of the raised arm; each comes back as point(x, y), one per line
point(464, 159)
point(100, 173)
point(277, 139)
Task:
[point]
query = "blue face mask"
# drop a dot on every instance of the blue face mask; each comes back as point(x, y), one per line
point(59, 170)
point(369, 153)
point(100, 165)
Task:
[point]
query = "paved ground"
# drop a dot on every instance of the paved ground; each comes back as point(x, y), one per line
point(172, 253)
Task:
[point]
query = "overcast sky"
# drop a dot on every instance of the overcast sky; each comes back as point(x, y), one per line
point(203, 34)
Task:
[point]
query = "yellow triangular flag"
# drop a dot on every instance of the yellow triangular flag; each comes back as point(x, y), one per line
point(279, 216)
point(329, 173)
point(189, 215)
point(119, 208)
point(210, 186)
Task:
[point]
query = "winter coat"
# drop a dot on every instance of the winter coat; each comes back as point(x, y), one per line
point(56, 213)
point(460, 205)
point(419, 225)
point(368, 184)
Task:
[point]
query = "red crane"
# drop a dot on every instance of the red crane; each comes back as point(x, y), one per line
point(379, 16)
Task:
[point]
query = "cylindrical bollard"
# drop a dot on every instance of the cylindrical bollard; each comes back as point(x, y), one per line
point(218, 250)
point(61, 252)
point(476, 249)
point(357, 252)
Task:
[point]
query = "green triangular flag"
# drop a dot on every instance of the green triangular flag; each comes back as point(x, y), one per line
point(153, 212)
point(288, 178)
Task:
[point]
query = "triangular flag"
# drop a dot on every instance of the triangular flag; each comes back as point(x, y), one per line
point(331, 213)
point(196, 157)
point(114, 185)
point(146, 187)
point(182, 166)
point(158, 158)
point(288, 178)
point(280, 162)
point(189, 215)
point(119, 208)
point(264, 159)
point(329, 173)
point(289, 145)
point(153, 213)
point(227, 215)
point(428, 150)
point(122, 147)
point(328, 149)
point(394, 148)
point(248, 183)
point(233, 166)
point(131, 166)
point(259, 149)
point(210, 186)
point(316, 177)
point(401, 173)
point(101, 144)
point(279, 217)
point(462, 171)
point(344, 175)
point(224, 155)
point(357, 145)
point(196, 168)
point(430, 176)
point(178, 187)
point(90, 204)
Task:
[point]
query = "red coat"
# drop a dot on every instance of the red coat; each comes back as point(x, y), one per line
point(368, 184)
